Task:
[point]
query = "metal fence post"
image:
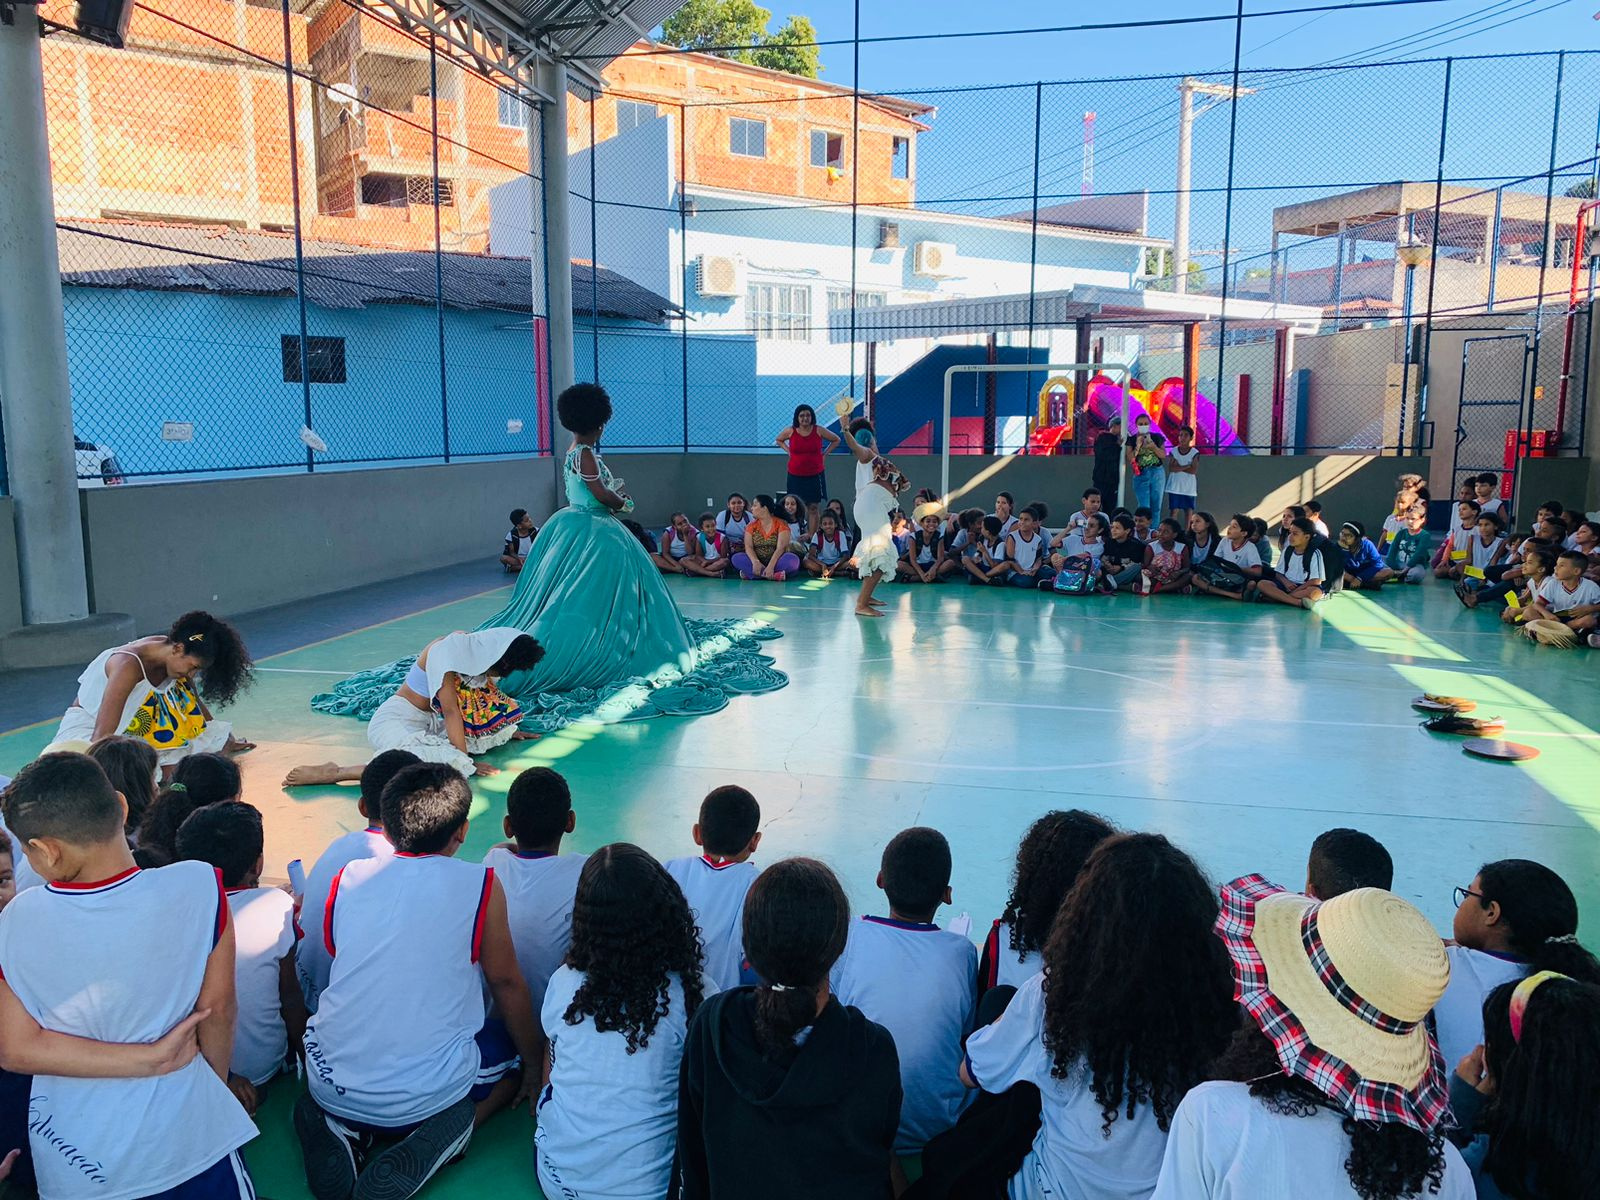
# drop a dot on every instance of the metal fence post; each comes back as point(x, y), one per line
point(855, 182)
point(1433, 260)
point(594, 234)
point(1548, 251)
point(683, 255)
point(299, 250)
point(1227, 231)
point(438, 239)
point(1033, 237)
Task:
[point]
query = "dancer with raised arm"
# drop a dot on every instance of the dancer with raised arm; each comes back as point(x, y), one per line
point(878, 485)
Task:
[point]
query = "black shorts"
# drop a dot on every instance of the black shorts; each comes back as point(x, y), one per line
point(809, 489)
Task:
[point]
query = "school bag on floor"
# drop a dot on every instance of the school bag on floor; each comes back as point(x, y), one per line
point(1220, 573)
point(1076, 577)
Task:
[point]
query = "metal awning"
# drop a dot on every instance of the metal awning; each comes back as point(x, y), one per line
point(518, 38)
point(1060, 309)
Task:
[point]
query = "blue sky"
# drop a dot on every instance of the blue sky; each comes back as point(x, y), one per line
point(1301, 136)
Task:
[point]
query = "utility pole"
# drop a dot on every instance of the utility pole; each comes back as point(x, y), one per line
point(1187, 114)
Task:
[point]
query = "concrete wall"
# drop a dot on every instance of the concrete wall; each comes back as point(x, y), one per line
point(10, 585)
point(1540, 479)
point(1351, 486)
point(241, 544)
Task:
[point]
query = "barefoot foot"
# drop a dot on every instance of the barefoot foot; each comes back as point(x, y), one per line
point(320, 773)
point(867, 612)
point(237, 745)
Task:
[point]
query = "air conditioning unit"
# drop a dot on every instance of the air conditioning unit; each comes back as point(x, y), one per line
point(937, 260)
point(719, 275)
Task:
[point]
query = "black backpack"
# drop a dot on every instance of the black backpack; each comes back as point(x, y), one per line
point(1332, 563)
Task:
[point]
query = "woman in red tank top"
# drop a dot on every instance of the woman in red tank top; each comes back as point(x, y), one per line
point(807, 444)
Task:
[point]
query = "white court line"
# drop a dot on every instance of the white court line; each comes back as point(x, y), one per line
point(303, 671)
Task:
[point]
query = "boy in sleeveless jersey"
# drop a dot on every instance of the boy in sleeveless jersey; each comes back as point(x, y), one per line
point(716, 881)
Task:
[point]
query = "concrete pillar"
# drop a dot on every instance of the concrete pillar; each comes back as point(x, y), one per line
point(557, 238)
point(37, 397)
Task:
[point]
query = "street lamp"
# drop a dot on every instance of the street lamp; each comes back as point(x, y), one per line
point(1413, 252)
point(1187, 112)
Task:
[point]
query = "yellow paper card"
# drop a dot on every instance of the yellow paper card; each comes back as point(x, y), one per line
point(1472, 572)
point(1513, 601)
point(1458, 555)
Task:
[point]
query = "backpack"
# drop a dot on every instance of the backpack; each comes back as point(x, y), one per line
point(1333, 562)
point(1076, 577)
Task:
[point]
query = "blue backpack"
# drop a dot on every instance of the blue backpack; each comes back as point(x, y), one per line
point(1076, 577)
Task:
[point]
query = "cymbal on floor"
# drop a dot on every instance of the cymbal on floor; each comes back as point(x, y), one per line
point(1496, 749)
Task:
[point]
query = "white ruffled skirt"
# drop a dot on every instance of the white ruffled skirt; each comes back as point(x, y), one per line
point(876, 550)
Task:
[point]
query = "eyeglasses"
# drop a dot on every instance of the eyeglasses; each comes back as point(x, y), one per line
point(1461, 894)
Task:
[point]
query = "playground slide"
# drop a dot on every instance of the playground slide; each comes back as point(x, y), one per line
point(1164, 403)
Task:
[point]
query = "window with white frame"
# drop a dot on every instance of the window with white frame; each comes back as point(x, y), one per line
point(633, 113)
point(513, 110)
point(779, 312)
point(827, 149)
point(747, 137)
point(839, 299)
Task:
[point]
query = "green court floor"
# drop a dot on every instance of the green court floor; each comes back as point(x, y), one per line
point(1240, 732)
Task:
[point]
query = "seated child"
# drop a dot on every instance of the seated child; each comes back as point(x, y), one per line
point(1122, 560)
point(961, 529)
point(1515, 918)
point(1538, 564)
point(8, 874)
point(1263, 543)
point(1200, 534)
point(924, 560)
point(679, 542)
point(519, 542)
point(916, 980)
point(1314, 511)
point(1507, 577)
point(272, 1013)
point(1166, 562)
point(198, 780)
point(311, 956)
point(1409, 550)
point(400, 1062)
point(1026, 563)
point(1076, 522)
point(709, 559)
point(1049, 858)
point(1343, 860)
point(1143, 520)
point(984, 559)
point(733, 520)
point(1301, 575)
point(132, 766)
point(1361, 561)
point(1041, 514)
point(1485, 549)
point(716, 880)
point(1234, 565)
point(899, 531)
point(105, 950)
point(616, 1014)
point(1448, 560)
point(1405, 496)
point(1484, 488)
point(828, 551)
point(1088, 541)
point(836, 507)
point(1566, 600)
point(1005, 508)
point(538, 879)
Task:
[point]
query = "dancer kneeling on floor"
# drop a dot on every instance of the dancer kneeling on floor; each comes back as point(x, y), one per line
point(449, 707)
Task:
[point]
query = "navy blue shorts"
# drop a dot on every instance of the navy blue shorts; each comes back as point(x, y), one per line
point(810, 489)
point(497, 1058)
point(225, 1180)
point(1175, 501)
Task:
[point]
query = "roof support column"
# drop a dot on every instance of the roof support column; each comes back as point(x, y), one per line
point(557, 233)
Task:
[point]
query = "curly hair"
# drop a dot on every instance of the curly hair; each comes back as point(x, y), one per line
point(199, 780)
point(583, 408)
point(1387, 1161)
point(227, 669)
point(1049, 859)
point(796, 921)
point(1137, 988)
point(631, 932)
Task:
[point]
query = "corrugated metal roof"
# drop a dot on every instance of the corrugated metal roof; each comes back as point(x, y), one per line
point(116, 254)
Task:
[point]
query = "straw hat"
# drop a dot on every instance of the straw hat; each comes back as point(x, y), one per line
point(926, 509)
point(70, 746)
point(1550, 633)
point(1342, 988)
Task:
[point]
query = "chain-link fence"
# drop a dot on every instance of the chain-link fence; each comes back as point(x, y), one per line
point(305, 236)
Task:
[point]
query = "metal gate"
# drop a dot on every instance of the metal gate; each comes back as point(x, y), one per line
point(1494, 381)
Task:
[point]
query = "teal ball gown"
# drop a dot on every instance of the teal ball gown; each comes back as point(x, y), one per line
point(616, 646)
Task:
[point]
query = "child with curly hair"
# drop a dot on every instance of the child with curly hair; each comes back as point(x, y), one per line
point(615, 1014)
point(1134, 1003)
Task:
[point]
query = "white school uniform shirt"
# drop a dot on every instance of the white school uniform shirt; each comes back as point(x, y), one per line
point(1071, 1158)
point(263, 932)
point(920, 983)
point(121, 960)
point(520, 546)
point(926, 554)
point(1458, 1016)
point(311, 956)
point(540, 891)
point(1075, 545)
point(1319, 525)
point(1570, 542)
point(1010, 968)
point(1558, 600)
point(1024, 553)
point(676, 546)
point(1245, 557)
point(1227, 1145)
point(1392, 524)
point(832, 551)
point(715, 892)
point(1298, 568)
point(1181, 483)
point(1490, 506)
point(1483, 555)
point(392, 1042)
point(729, 528)
point(1007, 525)
point(608, 1121)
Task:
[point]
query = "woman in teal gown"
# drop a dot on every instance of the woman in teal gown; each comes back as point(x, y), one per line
point(616, 646)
